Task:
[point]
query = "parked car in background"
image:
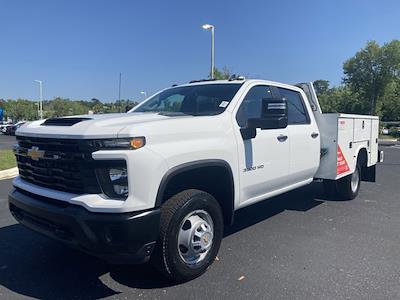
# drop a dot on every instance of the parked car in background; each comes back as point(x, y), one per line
point(3, 126)
point(11, 129)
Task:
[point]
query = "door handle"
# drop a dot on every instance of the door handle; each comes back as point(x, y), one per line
point(282, 138)
point(314, 135)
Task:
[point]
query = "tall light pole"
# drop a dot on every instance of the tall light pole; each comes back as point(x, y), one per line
point(41, 98)
point(119, 87)
point(144, 94)
point(119, 92)
point(212, 28)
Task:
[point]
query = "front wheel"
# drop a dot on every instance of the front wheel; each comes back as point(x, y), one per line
point(191, 230)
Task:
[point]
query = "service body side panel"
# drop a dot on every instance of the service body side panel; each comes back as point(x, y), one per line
point(343, 137)
point(346, 158)
point(328, 128)
point(373, 157)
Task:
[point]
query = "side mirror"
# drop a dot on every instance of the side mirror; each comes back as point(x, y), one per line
point(274, 115)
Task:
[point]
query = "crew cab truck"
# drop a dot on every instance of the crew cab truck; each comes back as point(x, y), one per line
point(160, 182)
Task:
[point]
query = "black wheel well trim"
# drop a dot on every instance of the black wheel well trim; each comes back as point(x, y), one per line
point(171, 173)
point(362, 150)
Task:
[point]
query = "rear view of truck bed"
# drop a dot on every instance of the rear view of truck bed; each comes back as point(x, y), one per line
point(343, 138)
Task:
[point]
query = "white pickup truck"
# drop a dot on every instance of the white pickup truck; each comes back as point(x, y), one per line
point(160, 182)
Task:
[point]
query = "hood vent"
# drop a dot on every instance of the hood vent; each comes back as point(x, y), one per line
point(63, 121)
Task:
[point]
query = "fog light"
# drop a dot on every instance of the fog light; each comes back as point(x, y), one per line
point(114, 182)
point(119, 180)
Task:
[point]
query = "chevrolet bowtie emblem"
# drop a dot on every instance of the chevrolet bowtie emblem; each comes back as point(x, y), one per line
point(34, 153)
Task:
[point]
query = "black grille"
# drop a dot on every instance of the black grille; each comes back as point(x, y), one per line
point(63, 164)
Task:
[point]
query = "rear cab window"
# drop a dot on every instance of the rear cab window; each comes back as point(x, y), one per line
point(297, 110)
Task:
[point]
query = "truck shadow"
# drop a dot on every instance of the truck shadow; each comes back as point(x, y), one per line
point(302, 199)
point(34, 266)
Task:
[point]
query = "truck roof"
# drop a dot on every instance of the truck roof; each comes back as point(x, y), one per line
point(238, 81)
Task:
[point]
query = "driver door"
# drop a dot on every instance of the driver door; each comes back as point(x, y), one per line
point(264, 160)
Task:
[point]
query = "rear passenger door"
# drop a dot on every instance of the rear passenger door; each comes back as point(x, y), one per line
point(303, 135)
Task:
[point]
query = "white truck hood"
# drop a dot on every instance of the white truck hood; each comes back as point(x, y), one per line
point(97, 126)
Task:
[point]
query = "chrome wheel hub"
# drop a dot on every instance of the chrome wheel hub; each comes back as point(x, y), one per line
point(195, 237)
point(355, 178)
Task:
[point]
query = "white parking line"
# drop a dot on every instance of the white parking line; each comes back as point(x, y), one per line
point(10, 173)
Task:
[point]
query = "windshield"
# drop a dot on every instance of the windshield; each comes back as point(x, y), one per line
point(197, 100)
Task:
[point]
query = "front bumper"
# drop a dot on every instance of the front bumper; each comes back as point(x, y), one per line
point(115, 237)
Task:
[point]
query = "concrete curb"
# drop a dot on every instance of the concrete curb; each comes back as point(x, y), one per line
point(388, 142)
point(9, 173)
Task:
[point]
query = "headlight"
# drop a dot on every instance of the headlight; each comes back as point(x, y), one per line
point(118, 144)
point(114, 182)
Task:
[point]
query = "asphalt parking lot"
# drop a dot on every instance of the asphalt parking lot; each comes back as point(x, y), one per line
point(6, 141)
point(295, 246)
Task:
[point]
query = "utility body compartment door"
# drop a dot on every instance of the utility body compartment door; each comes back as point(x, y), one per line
point(343, 137)
point(362, 130)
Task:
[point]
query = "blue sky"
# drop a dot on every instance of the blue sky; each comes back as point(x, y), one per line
point(78, 48)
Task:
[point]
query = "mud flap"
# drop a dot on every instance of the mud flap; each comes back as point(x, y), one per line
point(369, 174)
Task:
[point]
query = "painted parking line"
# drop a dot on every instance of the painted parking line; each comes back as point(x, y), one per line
point(8, 174)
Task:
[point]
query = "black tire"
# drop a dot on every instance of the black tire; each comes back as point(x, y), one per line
point(343, 189)
point(167, 257)
point(330, 189)
point(347, 190)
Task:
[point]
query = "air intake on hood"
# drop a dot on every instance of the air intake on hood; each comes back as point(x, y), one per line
point(63, 121)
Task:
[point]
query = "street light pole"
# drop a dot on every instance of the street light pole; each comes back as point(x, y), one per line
point(119, 92)
point(41, 98)
point(212, 28)
point(144, 94)
point(119, 87)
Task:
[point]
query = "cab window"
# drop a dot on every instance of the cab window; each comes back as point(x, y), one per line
point(297, 112)
point(251, 104)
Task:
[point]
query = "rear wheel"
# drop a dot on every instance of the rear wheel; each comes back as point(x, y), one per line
point(191, 231)
point(346, 188)
point(350, 185)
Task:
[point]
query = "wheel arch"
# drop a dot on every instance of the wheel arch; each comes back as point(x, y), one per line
point(362, 156)
point(367, 173)
point(211, 175)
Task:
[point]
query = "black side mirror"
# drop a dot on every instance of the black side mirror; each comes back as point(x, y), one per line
point(274, 115)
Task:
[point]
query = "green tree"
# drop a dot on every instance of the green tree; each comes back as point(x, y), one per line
point(20, 109)
point(58, 107)
point(338, 99)
point(389, 108)
point(371, 70)
point(321, 86)
point(222, 74)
